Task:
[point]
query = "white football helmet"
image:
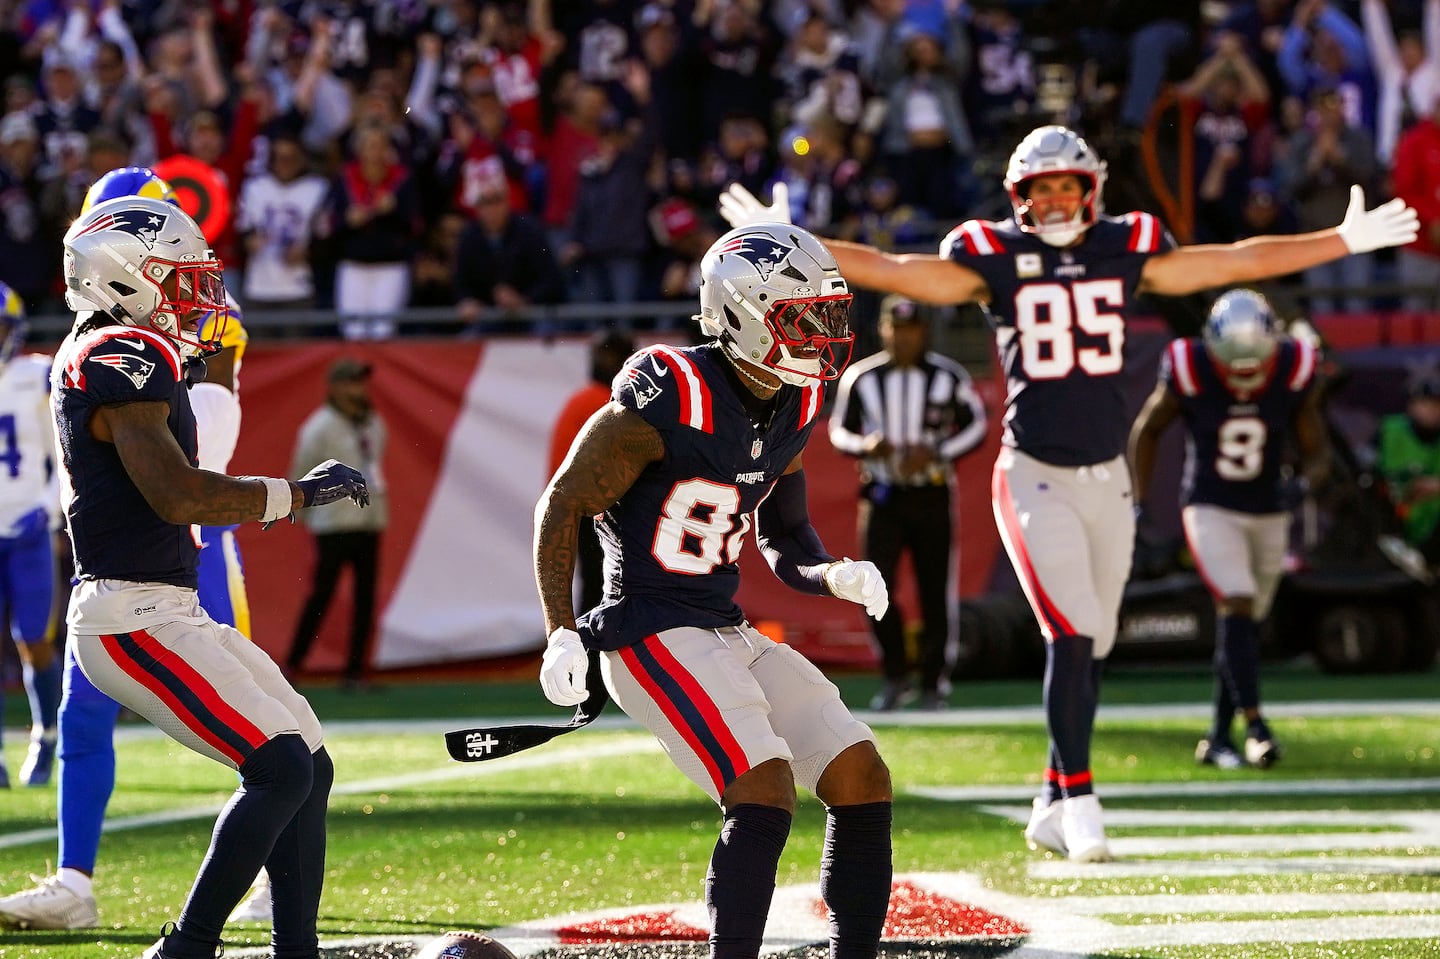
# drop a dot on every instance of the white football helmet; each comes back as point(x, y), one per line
point(773, 295)
point(1055, 149)
point(144, 262)
point(1242, 334)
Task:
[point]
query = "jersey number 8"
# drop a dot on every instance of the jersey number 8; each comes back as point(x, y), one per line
point(697, 529)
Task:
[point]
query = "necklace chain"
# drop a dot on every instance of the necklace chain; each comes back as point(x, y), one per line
point(749, 376)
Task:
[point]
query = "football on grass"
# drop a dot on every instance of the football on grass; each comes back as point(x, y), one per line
point(464, 945)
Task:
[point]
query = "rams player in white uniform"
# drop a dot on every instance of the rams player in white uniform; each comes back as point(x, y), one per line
point(29, 506)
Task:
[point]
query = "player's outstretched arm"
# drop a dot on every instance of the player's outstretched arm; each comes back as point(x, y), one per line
point(1189, 269)
point(1160, 410)
point(613, 447)
point(919, 276)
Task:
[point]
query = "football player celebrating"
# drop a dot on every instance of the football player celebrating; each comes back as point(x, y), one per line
point(1060, 278)
point(87, 716)
point(29, 505)
point(142, 280)
point(1242, 391)
point(693, 443)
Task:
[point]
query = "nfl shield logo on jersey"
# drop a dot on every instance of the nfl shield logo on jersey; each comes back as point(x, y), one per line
point(755, 448)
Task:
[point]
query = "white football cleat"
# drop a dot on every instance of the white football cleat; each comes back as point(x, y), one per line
point(1044, 830)
point(1084, 828)
point(1262, 753)
point(50, 905)
point(1219, 755)
point(257, 906)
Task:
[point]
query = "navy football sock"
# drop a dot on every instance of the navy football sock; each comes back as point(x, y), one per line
point(1070, 709)
point(297, 868)
point(741, 880)
point(1050, 791)
point(1224, 716)
point(1237, 649)
point(855, 873)
point(276, 781)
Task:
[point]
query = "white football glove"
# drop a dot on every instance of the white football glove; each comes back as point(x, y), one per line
point(859, 582)
point(562, 671)
point(741, 208)
point(1389, 224)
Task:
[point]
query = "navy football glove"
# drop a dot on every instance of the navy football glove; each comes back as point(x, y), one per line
point(331, 482)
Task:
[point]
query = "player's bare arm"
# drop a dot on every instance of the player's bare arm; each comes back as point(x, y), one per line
point(919, 276)
point(177, 492)
point(1313, 439)
point(613, 448)
point(1160, 410)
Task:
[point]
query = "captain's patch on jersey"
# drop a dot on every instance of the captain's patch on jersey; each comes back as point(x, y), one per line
point(1028, 265)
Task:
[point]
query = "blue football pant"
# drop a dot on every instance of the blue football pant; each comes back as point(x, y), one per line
point(27, 592)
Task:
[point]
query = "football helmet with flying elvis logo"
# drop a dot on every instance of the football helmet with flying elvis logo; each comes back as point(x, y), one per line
point(773, 295)
point(1050, 150)
point(1242, 334)
point(144, 262)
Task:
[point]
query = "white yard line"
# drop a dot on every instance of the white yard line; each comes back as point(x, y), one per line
point(539, 759)
point(1183, 790)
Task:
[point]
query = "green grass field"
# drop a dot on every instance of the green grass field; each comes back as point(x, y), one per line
point(1333, 850)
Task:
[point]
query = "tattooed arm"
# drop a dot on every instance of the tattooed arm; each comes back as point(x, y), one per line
point(178, 492)
point(613, 448)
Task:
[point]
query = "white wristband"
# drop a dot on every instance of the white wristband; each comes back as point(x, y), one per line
point(277, 498)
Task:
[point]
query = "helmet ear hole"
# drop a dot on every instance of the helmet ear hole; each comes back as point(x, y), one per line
point(732, 319)
point(122, 289)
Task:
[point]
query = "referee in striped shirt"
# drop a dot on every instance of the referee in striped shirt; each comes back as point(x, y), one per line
point(908, 413)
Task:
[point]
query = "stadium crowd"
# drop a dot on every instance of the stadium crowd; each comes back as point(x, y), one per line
point(374, 155)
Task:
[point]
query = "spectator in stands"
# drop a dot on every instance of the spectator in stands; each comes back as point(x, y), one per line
point(822, 75)
point(926, 143)
point(1320, 164)
point(609, 235)
point(1416, 180)
point(873, 31)
point(522, 46)
point(882, 220)
point(1226, 103)
point(485, 143)
point(1261, 25)
point(435, 264)
point(114, 91)
point(740, 154)
point(683, 237)
point(602, 34)
point(1408, 457)
point(668, 51)
point(999, 92)
point(1324, 50)
point(1407, 71)
point(277, 215)
point(62, 117)
point(575, 139)
point(503, 260)
point(830, 192)
point(184, 55)
point(28, 263)
point(1139, 41)
point(303, 84)
point(372, 219)
point(738, 49)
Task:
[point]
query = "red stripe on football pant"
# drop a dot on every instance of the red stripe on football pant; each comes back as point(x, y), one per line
point(152, 683)
point(627, 656)
point(1039, 602)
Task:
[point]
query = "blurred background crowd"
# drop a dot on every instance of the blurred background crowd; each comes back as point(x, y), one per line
point(472, 156)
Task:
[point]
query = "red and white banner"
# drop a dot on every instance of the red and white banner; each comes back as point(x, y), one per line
point(469, 429)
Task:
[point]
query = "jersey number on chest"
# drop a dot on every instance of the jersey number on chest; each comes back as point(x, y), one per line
point(697, 529)
point(1047, 315)
point(1241, 448)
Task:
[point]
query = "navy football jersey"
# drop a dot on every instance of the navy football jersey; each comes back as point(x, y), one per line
point(672, 541)
point(1059, 319)
point(115, 533)
point(1234, 446)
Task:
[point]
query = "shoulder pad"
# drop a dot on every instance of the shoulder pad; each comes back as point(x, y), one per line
point(972, 238)
point(1302, 370)
point(120, 363)
point(1179, 366)
point(665, 386)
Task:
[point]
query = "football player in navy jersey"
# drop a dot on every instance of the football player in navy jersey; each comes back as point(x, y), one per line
point(695, 445)
point(1060, 278)
point(142, 280)
point(1242, 391)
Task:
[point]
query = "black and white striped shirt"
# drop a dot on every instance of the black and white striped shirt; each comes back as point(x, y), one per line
point(932, 403)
